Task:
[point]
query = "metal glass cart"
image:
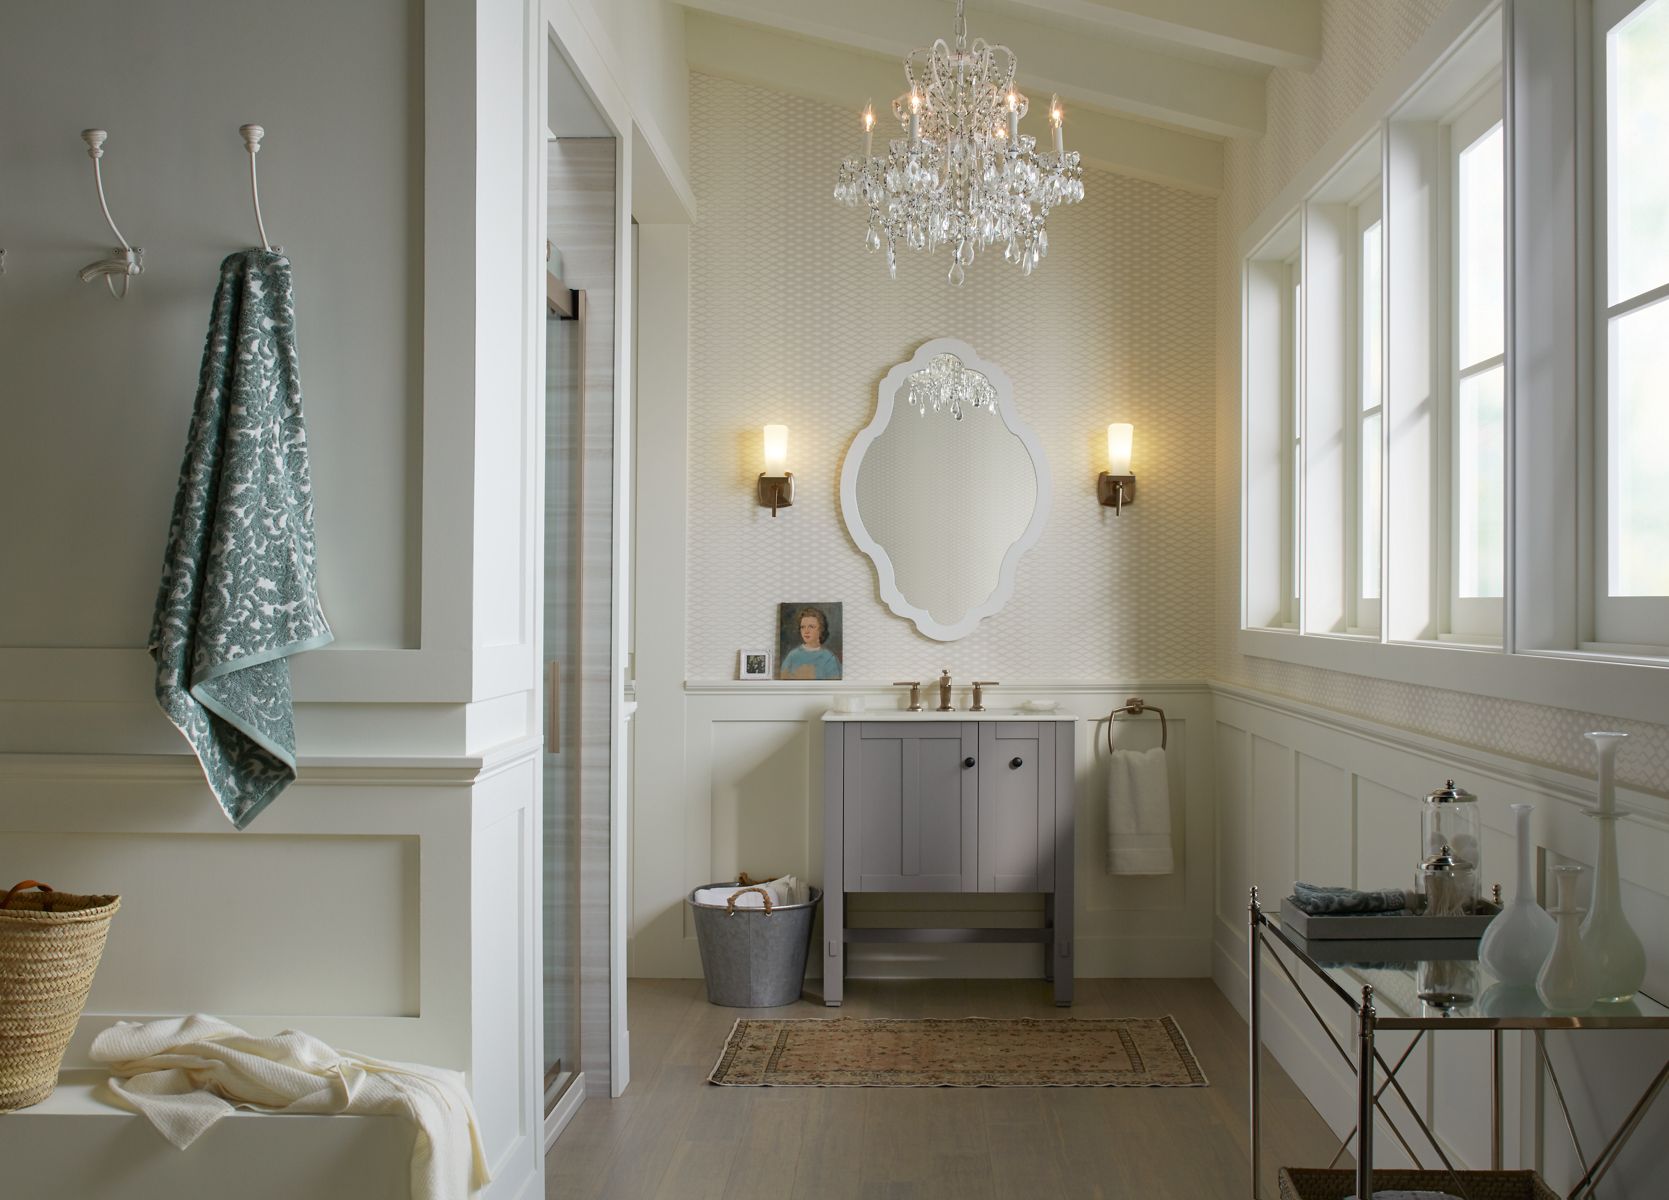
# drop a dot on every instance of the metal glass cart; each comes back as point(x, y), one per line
point(1394, 1005)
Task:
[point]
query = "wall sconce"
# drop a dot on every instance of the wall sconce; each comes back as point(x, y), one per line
point(1117, 486)
point(776, 483)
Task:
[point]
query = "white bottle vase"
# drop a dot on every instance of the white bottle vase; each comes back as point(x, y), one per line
point(1618, 959)
point(1516, 943)
point(1566, 980)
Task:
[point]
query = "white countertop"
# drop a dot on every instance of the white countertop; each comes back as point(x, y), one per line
point(990, 714)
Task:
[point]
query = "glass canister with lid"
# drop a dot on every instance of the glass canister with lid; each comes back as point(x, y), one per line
point(1447, 885)
point(1449, 817)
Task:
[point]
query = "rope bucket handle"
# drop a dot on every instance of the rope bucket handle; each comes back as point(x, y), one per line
point(24, 886)
point(730, 908)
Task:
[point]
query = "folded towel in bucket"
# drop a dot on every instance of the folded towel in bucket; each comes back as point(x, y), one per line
point(785, 890)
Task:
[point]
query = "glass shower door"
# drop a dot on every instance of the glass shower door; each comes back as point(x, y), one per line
point(564, 482)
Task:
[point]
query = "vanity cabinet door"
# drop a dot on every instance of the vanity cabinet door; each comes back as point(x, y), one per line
point(911, 800)
point(1016, 807)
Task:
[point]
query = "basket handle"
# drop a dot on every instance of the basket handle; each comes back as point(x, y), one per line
point(31, 883)
point(730, 909)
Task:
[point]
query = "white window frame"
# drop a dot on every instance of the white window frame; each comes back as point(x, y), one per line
point(1620, 624)
point(1472, 620)
point(1547, 655)
point(1368, 212)
point(1292, 434)
point(1272, 367)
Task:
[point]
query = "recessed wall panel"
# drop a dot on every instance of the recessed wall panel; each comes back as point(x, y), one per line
point(235, 924)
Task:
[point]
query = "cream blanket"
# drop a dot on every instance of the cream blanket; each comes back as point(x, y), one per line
point(185, 1073)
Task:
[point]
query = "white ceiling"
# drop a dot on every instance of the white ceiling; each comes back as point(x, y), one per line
point(1151, 86)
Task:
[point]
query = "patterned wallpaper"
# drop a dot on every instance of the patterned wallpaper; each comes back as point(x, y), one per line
point(1360, 41)
point(792, 322)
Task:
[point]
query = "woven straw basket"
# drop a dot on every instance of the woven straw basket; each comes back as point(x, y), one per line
point(50, 944)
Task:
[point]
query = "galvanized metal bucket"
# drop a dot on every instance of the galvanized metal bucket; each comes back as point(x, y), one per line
point(753, 957)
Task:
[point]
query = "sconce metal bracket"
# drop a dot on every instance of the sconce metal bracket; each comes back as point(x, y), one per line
point(776, 491)
point(1115, 491)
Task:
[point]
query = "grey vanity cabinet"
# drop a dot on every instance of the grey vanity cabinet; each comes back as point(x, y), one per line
point(911, 814)
point(937, 805)
point(1016, 807)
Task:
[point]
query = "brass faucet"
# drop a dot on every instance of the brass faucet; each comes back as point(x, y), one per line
point(979, 704)
point(944, 692)
point(915, 693)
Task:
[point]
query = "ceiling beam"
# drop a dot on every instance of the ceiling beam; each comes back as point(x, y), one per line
point(1086, 69)
point(1271, 33)
point(847, 78)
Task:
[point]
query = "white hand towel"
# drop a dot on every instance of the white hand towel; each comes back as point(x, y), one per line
point(1139, 814)
point(185, 1073)
point(786, 890)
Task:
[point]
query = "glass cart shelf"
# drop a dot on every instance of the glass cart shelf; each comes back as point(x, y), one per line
point(1379, 982)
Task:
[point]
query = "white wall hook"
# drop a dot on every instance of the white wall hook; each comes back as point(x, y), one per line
point(252, 135)
point(125, 260)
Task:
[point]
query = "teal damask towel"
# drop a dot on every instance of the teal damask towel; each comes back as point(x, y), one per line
point(239, 593)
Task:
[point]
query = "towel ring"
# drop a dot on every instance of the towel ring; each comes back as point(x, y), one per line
point(1135, 706)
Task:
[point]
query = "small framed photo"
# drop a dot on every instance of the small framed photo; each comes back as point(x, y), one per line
point(809, 642)
point(753, 664)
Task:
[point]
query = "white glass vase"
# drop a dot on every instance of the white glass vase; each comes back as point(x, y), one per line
point(1566, 980)
point(1617, 958)
point(1517, 941)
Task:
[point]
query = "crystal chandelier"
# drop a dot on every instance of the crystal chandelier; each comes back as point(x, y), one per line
point(963, 176)
point(945, 385)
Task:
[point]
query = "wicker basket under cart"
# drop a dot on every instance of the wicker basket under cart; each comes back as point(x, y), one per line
point(50, 945)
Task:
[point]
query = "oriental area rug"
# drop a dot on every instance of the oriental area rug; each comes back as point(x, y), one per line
point(969, 1052)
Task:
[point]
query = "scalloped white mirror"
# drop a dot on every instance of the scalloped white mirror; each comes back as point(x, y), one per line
point(945, 505)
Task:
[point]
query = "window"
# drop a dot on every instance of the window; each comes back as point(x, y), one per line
point(1469, 312)
point(1293, 472)
point(1477, 384)
point(1632, 310)
point(1273, 372)
point(1370, 414)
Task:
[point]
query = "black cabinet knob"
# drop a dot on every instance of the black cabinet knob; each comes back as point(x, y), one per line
point(1014, 764)
point(967, 762)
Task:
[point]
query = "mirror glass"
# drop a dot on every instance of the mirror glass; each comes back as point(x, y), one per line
point(945, 489)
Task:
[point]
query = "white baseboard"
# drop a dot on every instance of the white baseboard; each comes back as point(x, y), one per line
point(557, 1119)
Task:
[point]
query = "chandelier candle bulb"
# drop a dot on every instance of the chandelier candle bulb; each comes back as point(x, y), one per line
point(868, 132)
point(1056, 119)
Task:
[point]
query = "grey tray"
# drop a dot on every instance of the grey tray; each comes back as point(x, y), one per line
point(1382, 926)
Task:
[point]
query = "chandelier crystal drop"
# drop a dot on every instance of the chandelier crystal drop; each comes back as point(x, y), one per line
point(962, 175)
point(945, 385)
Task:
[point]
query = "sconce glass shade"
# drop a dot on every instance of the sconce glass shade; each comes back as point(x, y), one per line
point(1120, 435)
point(776, 449)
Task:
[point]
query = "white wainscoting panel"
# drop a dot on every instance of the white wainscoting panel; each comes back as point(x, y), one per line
point(750, 801)
point(1339, 797)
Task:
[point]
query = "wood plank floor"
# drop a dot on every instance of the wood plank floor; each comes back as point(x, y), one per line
point(673, 1136)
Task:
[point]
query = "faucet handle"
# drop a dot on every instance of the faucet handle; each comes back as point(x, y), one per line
point(979, 704)
point(915, 692)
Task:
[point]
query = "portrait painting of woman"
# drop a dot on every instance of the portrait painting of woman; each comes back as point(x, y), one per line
point(808, 637)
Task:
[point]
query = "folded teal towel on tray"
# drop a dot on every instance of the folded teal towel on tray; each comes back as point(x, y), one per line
point(239, 592)
point(1318, 900)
